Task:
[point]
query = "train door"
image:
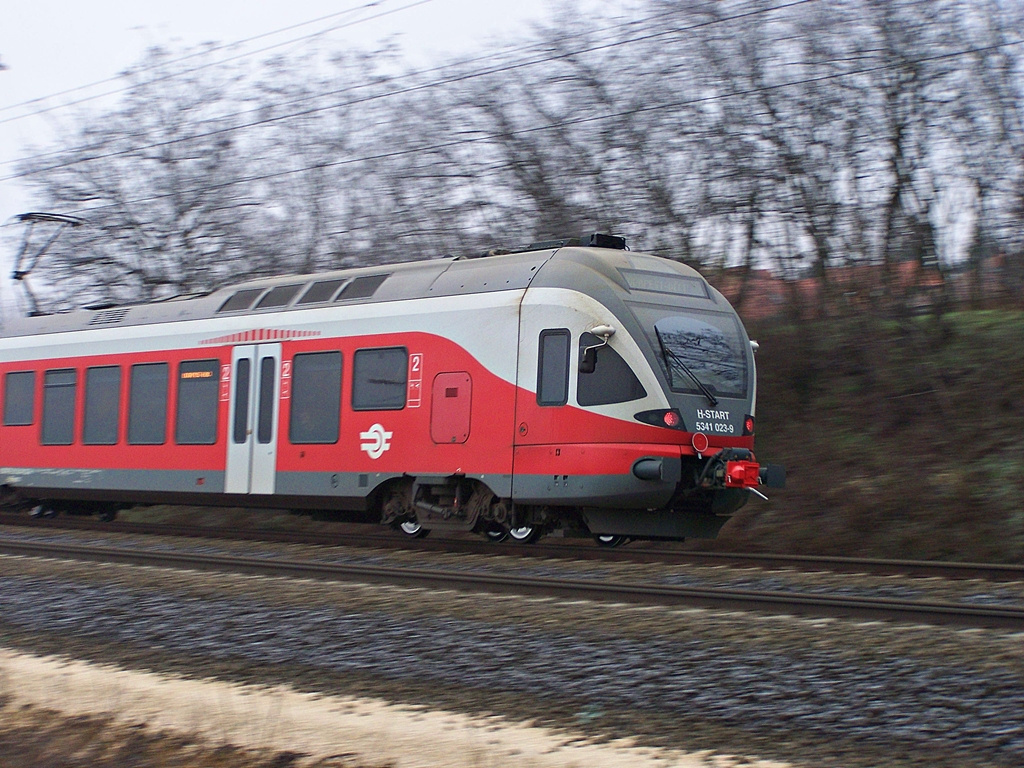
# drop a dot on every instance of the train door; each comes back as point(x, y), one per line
point(253, 419)
point(450, 408)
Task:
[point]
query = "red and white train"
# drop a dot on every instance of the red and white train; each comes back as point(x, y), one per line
point(572, 385)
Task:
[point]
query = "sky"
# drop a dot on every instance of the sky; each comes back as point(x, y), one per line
point(50, 47)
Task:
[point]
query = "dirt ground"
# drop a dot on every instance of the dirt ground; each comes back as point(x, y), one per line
point(59, 712)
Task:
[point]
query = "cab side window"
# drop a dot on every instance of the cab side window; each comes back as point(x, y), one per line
point(611, 381)
point(553, 367)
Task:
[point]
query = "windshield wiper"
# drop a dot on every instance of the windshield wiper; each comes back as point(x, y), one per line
point(667, 353)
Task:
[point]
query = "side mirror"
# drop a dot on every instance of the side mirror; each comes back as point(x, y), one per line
point(588, 357)
point(588, 360)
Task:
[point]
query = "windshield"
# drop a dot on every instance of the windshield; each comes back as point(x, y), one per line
point(707, 346)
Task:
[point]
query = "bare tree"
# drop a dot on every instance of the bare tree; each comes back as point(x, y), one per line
point(809, 139)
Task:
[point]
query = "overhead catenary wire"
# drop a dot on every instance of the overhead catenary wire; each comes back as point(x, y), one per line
point(187, 57)
point(236, 43)
point(338, 91)
point(205, 51)
point(459, 77)
point(563, 124)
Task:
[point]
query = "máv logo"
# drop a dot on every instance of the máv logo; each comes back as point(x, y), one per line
point(376, 440)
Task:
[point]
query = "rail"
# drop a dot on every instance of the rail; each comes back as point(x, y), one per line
point(996, 617)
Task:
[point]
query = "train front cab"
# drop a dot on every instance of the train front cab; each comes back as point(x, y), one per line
point(636, 405)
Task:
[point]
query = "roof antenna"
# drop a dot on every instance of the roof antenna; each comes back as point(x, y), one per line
point(29, 254)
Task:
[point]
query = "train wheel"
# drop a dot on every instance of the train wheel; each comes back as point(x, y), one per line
point(526, 534)
point(413, 529)
point(610, 540)
point(496, 533)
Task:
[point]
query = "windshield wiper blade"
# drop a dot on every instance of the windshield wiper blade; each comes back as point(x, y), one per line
point(668, 353)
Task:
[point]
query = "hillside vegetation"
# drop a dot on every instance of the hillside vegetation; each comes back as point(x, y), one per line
point(901, 439)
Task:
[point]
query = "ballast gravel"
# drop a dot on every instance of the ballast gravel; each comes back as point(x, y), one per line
point(818, 693)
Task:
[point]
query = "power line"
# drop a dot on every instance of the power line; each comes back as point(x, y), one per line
point(282, 44)
point(338, 91)
point(569, 123)
point(223, 46)
point(402, 91)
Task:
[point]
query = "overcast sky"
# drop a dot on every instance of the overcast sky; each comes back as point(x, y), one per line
point(49, 47)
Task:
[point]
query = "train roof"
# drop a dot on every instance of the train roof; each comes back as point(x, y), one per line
point(561, 264)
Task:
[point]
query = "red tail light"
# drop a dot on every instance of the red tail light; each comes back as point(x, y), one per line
point(748, 425)
point(670, 418)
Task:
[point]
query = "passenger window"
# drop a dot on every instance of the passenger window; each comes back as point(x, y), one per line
point(553, 368)
point(612, 381)
point(379, 378)
point(279, 296)
point(265, 415)
point(321, 291)
point(59, 407)
point(240, 300)
point(147, 404)
point(198, 397)
point(19, 398)
point(240, 429)
point(362, 287)
point(316, 398)
point(102, 405)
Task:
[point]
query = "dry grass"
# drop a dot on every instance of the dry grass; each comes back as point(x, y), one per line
point(31, 737)
point(901, 438)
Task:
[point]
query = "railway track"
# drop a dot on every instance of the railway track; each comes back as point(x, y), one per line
point(354, 535)
point(778, 602)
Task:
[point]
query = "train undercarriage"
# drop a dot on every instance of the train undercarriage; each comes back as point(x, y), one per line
point(697, 506)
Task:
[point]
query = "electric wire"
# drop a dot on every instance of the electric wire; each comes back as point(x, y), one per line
point(561, 124)
point(461, 77)
point(187, 57)
point(404, 76)
point(219, 62)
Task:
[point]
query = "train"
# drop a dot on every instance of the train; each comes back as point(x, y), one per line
point(571, 386)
